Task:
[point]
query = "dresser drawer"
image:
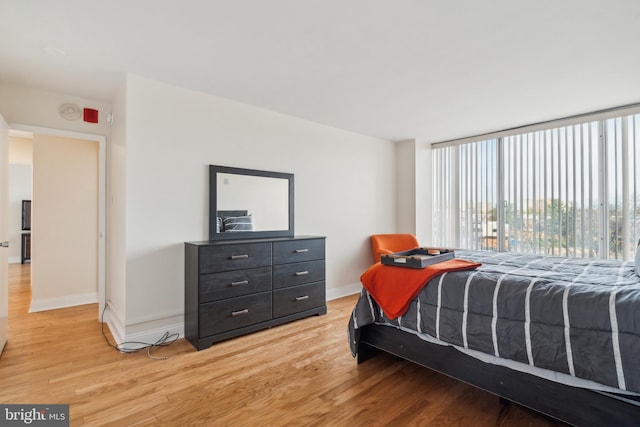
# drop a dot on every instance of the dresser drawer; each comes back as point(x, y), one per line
point(216, 258)
point(298, 298)
point(297, 273)
point(216, 286)
point(233, 313)
point(298, 250)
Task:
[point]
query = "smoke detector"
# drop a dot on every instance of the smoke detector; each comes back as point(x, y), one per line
point(70, 111)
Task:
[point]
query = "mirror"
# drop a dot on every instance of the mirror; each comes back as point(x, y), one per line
point(249, 203)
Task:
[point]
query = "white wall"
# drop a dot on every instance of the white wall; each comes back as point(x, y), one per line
point(31, 106)
point(116, 231)
point(20, 151)
point(20, 170)
point(159, 147)
point(19, 190)
point(64, 243)
point(406, 187)
point(414, 189)
point(423, 193)
point(344, 183)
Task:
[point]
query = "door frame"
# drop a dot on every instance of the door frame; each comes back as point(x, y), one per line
point(4, 201)
point(102, 192)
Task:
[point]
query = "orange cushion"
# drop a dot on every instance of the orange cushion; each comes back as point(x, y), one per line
point(391, 243)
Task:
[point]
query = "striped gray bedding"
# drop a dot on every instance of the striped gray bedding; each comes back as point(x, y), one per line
point(579, 317)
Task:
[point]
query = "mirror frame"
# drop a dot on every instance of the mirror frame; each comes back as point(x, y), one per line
point(213, 204)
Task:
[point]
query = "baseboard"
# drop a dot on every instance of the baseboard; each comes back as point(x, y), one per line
point(343, 291)
point(14, 260)
point(147, 330)
point(143, 339)
point(114, 322)
point(126, 337)
point(62, 302)
point(153, 336)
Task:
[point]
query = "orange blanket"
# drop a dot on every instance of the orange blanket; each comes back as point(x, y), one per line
point(393, 288)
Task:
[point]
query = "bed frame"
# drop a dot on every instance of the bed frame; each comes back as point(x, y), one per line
point(571, 405)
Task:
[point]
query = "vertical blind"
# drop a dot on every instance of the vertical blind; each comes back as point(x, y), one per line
point(571, 190)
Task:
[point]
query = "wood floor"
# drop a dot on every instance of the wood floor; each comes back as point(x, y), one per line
point(296, 374)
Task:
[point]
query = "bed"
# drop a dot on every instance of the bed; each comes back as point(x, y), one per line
point(558, 335)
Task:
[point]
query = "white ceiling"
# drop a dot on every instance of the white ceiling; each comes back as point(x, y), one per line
point(394, 69)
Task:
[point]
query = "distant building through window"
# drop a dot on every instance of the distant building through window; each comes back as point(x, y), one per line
point(570, 188)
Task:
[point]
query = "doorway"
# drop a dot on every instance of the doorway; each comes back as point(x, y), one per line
point(62, 270)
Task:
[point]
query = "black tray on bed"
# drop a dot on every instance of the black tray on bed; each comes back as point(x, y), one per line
point(418, 257)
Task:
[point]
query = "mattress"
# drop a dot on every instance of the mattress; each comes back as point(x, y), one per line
point(565, 318)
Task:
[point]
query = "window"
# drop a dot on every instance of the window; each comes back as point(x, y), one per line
point(571, 190)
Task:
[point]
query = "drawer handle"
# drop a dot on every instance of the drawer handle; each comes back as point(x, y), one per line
point(301, 273)
point(302, 298)
point(299, 251)
point(240, 312)
point(244, 282)
point(244, 256)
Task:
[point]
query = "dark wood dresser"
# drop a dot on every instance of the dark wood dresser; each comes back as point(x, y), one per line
point(236, 287)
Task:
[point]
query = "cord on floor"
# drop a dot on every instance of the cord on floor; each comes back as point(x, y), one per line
point(165, 340)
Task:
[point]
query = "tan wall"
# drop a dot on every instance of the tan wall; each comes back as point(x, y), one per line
point(65, 222)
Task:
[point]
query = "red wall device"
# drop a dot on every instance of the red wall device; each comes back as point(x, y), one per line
point(90, 115)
